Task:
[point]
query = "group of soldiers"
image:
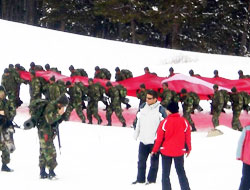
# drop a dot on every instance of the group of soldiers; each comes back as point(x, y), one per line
point(190, 102)
point(48, 113)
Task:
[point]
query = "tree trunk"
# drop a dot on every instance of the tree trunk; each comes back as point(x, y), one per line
point(175, 32)
point(4, 10)
point(133, 31)
point(30, 11)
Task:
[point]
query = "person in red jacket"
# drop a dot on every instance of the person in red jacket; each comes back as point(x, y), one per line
point(173, 141)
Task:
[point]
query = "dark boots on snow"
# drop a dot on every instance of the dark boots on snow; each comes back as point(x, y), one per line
point(5, 168)
point(43, 174)
point(52, 174)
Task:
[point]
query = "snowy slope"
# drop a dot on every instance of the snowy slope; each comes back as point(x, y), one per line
point(101, 157)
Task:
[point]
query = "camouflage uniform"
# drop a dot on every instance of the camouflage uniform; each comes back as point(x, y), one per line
point(35, 89)
point(115, 106)
point(99, 75)
point(75, 92)
point(141, 95)
point(217, 106)
point(119, 76)
point(11, 82)
point(46, 135)
point(36, 68)
point(95, 94)
point(166, 97)
point(237, 105)
point(187, 105)
point(62, 86)
point(9, 110)
point(54, 91)
point(79, 72)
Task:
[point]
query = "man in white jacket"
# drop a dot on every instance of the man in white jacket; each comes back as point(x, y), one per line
point(149, 117)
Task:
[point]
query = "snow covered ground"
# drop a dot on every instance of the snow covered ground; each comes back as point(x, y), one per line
point(102, 157)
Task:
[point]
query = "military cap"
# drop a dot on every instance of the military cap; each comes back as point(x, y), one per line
point(52, 78)
point(108, 83)
point(11, 66)
point(216, 72)
point(47, 66)
point(68, 83)
point(32, 64)
point(71, 67)
point(240, 72)
point(142, 85)
point(183, 91)
point(6, 70)
point(234, 89)
point(117, 69)
point(191, 72)
point(146, 69)
point(63, 100)
point(171, 69)
point(97, 68)
point(215, 86)
point(17, 65)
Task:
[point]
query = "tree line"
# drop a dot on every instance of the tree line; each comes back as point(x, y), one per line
point(208, 26)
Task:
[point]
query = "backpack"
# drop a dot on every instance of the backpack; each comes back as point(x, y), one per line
point(246, 98)
point(122, 91)
point(107, 73)
point(127, 73)
point(36, 108)
point(226, 96)
point(82, 72)
point(196, 98)
point(175, 97)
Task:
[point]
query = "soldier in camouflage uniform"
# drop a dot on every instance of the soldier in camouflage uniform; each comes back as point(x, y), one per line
point(53, 89)
point(191, 73)
point(95, 94)
point(62, 86)
point(75, 102)
point(216, 74)
point(7, 112)
point(77, 72)
point(54, 69)
point(141, 94)
point(146, 71)
point(11, 82)
point(35, 87)
point(166, 96)
point(115, 104)
point(47, 125)
point(171, 72)
point(217, 105)
point(242, 76)
point(237, 105)
point(118, 75)
point(188, 106)
point(102, 73)
point(34, 67)
point(18, 67)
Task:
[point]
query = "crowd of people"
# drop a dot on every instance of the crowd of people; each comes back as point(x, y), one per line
point(48, 99)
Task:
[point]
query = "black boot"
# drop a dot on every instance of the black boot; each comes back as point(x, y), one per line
point(109, 123)
point(193, 128)
point(52, 174)
point(124, 124)
point(99, 121)
point(5, 168)
point(43, 173)
point(90, 121)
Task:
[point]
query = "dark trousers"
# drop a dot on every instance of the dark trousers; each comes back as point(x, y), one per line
point(179, 166)
point(245, 179)
point(144, 151)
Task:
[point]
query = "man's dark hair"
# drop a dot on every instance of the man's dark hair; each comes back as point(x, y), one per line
point(152, 93)
point(142, 85)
